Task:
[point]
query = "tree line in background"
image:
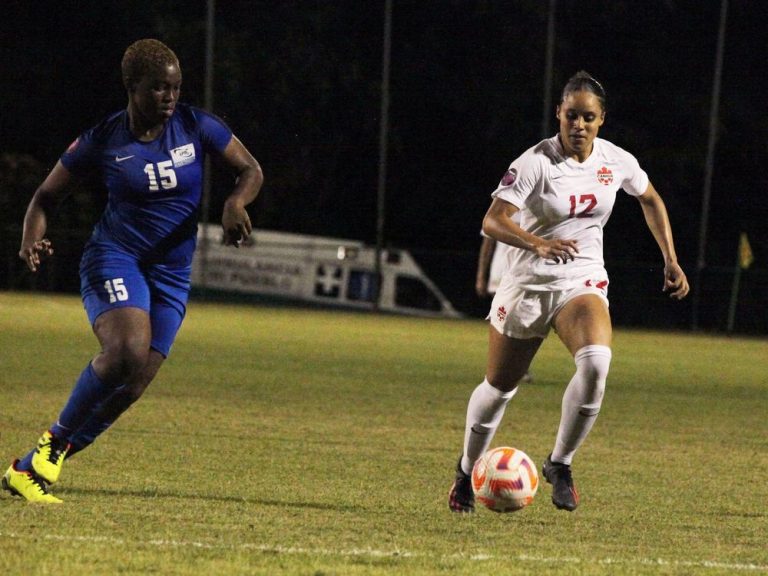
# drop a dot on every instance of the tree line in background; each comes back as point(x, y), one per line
point(299, 82)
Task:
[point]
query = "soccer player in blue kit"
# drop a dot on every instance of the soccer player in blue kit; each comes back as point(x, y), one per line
point(135, 269)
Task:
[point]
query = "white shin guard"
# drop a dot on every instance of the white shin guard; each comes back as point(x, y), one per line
point(484, 412)
point(581, 401)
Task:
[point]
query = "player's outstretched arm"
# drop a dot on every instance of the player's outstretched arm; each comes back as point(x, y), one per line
point(675, 281)
point(34, 246)
point(235, 219)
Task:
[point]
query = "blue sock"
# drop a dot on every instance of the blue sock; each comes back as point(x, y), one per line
point(87, 395)
point(26, 462)
point(101, 419)
point(89, 392)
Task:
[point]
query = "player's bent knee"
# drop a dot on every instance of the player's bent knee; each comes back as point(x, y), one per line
point(593, 362)
point(124, 362)
point(592, 365)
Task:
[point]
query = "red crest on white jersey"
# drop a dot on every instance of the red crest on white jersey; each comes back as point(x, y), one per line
point(604, 176)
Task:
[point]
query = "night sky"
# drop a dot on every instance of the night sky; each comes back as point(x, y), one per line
point(299, 83)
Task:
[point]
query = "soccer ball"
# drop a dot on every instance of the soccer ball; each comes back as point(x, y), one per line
point(505, 479)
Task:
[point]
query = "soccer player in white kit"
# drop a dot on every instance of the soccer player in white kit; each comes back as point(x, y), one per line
point(563, 190)
point(491, 265)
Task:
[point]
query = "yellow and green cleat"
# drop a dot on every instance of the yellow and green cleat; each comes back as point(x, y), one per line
point(27, 485)
point(49, 457)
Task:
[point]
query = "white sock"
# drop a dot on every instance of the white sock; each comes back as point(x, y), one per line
point(484, 412)
point(581, 401)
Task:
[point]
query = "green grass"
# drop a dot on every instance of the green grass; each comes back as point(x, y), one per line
point(293, 441)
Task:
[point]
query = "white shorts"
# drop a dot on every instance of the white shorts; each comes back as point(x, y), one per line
point(520, 313)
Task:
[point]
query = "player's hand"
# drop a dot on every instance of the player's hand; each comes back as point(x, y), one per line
point(34, 253)
point(675, 281)
point(236, 224)
point(561, 251)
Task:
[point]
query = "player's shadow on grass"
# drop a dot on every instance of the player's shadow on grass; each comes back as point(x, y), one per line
point(159, 494)
point(741, 514)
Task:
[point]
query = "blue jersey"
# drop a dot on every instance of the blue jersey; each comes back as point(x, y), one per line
point(154, 188)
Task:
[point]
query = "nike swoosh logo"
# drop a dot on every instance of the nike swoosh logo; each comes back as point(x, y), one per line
point(120, 159)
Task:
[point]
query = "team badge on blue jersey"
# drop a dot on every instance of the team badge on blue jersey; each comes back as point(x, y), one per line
point(183, 155)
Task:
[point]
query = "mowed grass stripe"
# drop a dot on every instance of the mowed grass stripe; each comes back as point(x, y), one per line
point(278, 429)
point(373, 553)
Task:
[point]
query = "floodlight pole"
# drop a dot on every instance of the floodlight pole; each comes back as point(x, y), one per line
point(709, 167)
point(383, 148)
point(548, 67)
point(210, 29)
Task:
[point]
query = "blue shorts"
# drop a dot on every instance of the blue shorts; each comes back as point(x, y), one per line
point(110, 278)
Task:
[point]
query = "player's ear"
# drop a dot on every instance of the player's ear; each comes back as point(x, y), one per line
point(557, 111)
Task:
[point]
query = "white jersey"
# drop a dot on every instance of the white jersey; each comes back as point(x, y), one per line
point(559, 197)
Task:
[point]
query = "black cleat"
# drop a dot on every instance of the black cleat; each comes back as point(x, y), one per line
point(564, 493)
point(461, 498)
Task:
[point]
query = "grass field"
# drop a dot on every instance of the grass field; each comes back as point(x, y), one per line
point(293, 441)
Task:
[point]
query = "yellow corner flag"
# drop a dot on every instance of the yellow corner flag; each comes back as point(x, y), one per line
point(745, 252)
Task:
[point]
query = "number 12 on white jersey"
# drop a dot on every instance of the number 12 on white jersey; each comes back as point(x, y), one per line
point(589, 200)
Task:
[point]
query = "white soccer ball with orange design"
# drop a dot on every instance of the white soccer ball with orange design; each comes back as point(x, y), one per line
point(505, 479)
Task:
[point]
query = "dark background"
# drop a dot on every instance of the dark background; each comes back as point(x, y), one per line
point(300, 84)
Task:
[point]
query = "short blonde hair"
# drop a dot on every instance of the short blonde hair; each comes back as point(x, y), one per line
point(144, 57)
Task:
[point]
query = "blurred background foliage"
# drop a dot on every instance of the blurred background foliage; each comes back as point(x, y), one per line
point(299, 81)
